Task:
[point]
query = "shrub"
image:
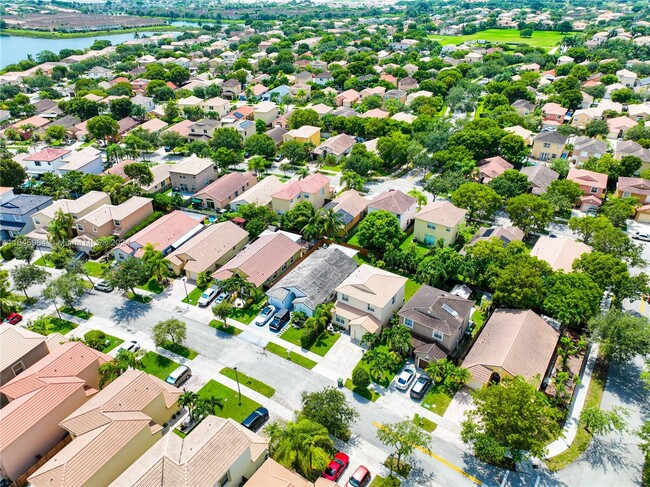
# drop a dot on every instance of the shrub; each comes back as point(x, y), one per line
point(203, 279)
point(298, 318)
point(309, 337)
point(144, 223)
point(60, 256)
point(7, 251)
point(361, 378)
point(95, 339)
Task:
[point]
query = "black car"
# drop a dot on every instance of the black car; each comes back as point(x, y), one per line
point(280, 319)
point(256, 419)
point(420, 387)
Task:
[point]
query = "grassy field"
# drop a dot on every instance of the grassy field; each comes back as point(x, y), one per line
point(158, 365)
point(181, 350)
point(229, 329)
point(437, 400)
point(320, 347)
point(248, 381)
point(292, 356)
point(365, 393)
point(546, 39)
point(230, 399)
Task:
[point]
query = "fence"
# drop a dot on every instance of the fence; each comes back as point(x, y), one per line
point(22, 480)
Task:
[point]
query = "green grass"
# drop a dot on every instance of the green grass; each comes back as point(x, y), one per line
point(292, 356)
point(113, 342)
point(193, 296)
point(178, 433)
point(583, 437)
point(248, 381)
point(71, 35)
point(424, 423)
point(55, 325)
point(181, 350)
point(386, 375)
point(231, 407)
point(354, 240)
point(152, 286)
point(140, 298)
point(378, 481)
point(79, 313)
point(158, 365)
point(411, 288)
point(479, 110)
point(229, 329)
point(321, 346)
point(365, 393)
point(420, 248)
point(338, 168)
point(95, 269)
point(42, 261)
point(437, 400)
point(246, 315)
point(545, 39)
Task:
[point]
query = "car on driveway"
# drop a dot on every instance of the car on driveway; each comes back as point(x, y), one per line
point(130, 346)
point(256, 419)
point(336, 467)
point(13, 318)
point(265, 315)
point(360, 478)
point(280, 319)
point(221, 298)
point(103, 285)
point(420, 387)
point(645, 236)
point(80, 256)
point(404, 379)
point(208, 296)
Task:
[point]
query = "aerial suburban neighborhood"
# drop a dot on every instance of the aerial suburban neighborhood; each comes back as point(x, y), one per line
point(324, 243)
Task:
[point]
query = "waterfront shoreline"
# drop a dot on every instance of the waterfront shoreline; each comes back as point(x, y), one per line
point(37, 34)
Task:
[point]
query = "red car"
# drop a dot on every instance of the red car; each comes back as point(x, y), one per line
point(360, 478)
point(13, 318)
point(336, 467)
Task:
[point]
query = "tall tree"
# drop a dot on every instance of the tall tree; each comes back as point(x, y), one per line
point(129, 274)
point(139, 172)
point(529, 212)
point(378, 230)
point(172, 330)
point(621, 335)
point(330, 408)
point(103, 127)
point(59, 232)
point(404, 437)
point(28, 275)
point(67, 287)
point(480, 201)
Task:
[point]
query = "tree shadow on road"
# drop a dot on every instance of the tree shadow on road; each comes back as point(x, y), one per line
point(628, 388)
point(128, 311)
point(491, 475)
point(605, 454)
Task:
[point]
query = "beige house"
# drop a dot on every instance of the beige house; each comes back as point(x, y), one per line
point(260, 194)
point(437, 320)
point(402, 206)
point(162, 181)
point(315, 189)
point(272, 474)
point(227, 188)
point(559, 252)
point(438, 220)
point(635, 187)
point(513, 342)
point(548, 145)
point(203, 129)
point(366, 300)
point(585, 148)
point(305, 134)
point(350, 207)
point(193, 174)
point(208, 250)
point(39, 399)
point(266, 111)
point(111, 431)
point(217, 105)
point(219, 452)
point(113, 219)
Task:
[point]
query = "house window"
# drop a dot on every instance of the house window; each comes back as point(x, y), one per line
point(547, 145)
point(438, 335)
point(431, 226)
point(447, 229)
point(370, 308)
point(80, 227)
point(94, 229)
point(37, 163)
point(17, 368)
point(117, 223)
point(224, 480)
point(593, 190)
point(18, 218)
point(306, 196)
point(393, 300)
point(322, 191)
point(626, 194)
point(37, 221)
point(408, 322)
point(339, 319)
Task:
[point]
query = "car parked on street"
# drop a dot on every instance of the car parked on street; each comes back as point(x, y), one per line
point(130, 346)
point(208, 295)
point(256, 419)
point(265, 315)
point(420, 388)
point(360, 478)
point(336, 467)
point(404, 379)
point(104, 286)
point(13, 318)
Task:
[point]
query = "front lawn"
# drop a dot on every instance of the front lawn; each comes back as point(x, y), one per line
point(113, 343)
point(42, 261)
point(229, 329)
point(321, 346)
point(230, 399)
point(79, 313)
point(53, 324)
point(437, 399)
point(411, 288)
point(193, 296)
point(247, 315)
point(181, 350)
point(140, 298)
point(292, 356)
point(384, 376)
point(95, 269)
point(338, 168)
point(152, 286)
point(248, 381)
point(424, 423)
point(158, 365)
point(368, 394)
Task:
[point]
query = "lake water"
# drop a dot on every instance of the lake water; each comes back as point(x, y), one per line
point(14, 48)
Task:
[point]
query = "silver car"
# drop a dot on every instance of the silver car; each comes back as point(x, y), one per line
point(404, 379)
point(265, 315)
point(208, 296)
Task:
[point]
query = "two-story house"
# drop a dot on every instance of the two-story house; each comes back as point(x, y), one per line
point(46, 160)
point(227, 188)
point(402, 206)
point(217, 105)
point(437, 320)
point(548, 145)
point(638, 188)
point(305, 134)
point(585, 148)
point(266, 111)
point(16, 212)
point(203, 129)
point(594, 184)
point(554, 112)
point(193, 174)
point(367, 299)
point(315, 189)
point(439, 220)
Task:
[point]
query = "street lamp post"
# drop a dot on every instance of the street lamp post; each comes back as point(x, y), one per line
point(187, 296)
point(238, 388)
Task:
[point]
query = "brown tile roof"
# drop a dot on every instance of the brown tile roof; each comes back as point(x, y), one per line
point(392, 200)
point(540, 177)
point(181, 128)
point(442, 213)
point(336, 145)
point(261, 259)
point(206, 248)
point(311, 184)
point(492, 167)
point(427, 307)
point(15, 343)
point(225, 186)
point(272, 474)
point(350, 202)
point(519, 341)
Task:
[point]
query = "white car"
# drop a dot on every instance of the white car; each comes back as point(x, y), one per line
point(208, 296)
point(404, 379)
point(266, 314)
point(131, 346)
point(642, 236)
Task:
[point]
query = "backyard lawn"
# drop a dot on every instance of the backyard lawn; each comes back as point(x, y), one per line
point(181, 350)
point(437, 400)
point(194, 296)
point(420, 248)
point(53, 324)
point(545, 39)
point(321, 346)
point(158, 365)
point(248, 381)
point(292, 356)
point(230, 399)
point(229, 329)
point(411, 288)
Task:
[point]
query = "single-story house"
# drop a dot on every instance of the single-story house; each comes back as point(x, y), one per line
point(559, 252)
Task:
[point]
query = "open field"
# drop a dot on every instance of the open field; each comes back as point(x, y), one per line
point(543, 38)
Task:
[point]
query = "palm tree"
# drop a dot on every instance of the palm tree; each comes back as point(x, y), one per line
point(439, 370)
point(156, 262)
point(352, 180)
point(369, 340)
point(303, 446)
point(419, 196)
point(285, 167)
point(257, 164)
point(302, 173)
point(330, 223)
point(399, 339)
point(188, 399)
point(213, 403)
point(273, 432)
point(108, 372)
point(59, 232)
point(129, 360)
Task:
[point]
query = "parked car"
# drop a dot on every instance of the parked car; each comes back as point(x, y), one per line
point(256, 419)
point(280, 319)
point(336, 467)
point(208, 295)
point(80, 256)
point(222, 297)
point(360, 478)
point(405, 378)
point(103, 285)
point(642, 236)
point(278, 158)
point(420, 387)
point(13, 318)
point(130, 346)
point(179, 375)
point(266, 314)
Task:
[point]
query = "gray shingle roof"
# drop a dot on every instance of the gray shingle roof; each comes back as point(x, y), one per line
point(426, 308)
point(24, 203)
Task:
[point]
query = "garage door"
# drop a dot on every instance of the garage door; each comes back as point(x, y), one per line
point(422, 364)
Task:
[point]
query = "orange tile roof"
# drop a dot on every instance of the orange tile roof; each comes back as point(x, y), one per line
point(311, 184)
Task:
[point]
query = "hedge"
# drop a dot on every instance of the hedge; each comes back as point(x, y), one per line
point(7, 251)
point(144, 223)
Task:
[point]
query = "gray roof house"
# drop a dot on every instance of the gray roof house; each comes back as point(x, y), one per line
point(15, 214)
point(313, 281)
point(540, 177)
